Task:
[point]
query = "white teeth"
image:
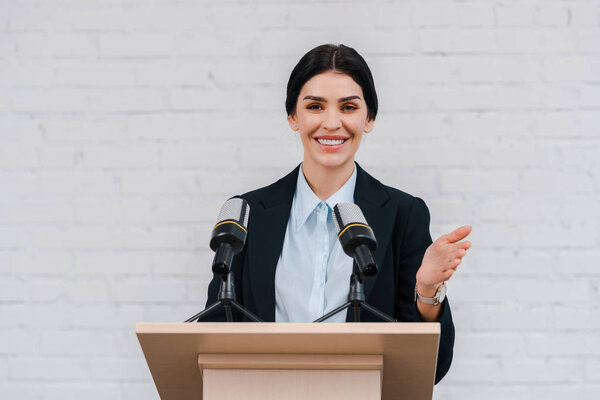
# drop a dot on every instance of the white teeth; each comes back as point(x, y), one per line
point(330, 142)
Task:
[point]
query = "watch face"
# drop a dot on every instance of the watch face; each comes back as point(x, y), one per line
point(442, 293)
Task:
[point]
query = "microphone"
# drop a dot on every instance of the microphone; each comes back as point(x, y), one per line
point(229, 234)
point(356, 237)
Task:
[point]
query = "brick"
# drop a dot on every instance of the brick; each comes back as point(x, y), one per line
point(16, 342)
point(588, 123)
point(398, 71)
point(563, 345)
point(131, 100)
point(577, 261)
point(45, 264)
point(73, 237)
point(114, 318)
point(111, 212)
point(13, 290)
point(56, 45)
point(514, 14)
point(206, 100)
point(85, 129)
point(111, 263)
point(459, 181)
point(555, 182)
point(148, 292)
point(159, 183)
point(60, 157)
point(486, 345)
point(392, 15)
point(495, 69)
point(524, 291)
point(576, 317)
point(590, 96)
point(83, 390)
point(587, 40)
point(37, 211)
point(159, 237)
point(28, 18)
point(195, 263)
point(574, 69)
point(114, 156)
point(436, 13)
point(585, 13)
point(30, 74)
point(65, 343)
point(284, 154)
point(551, 14)
point(527, 371)
point(448, 40)
point(466, 370)
point(136, 45)
point(95, 75)
point(592, 370)
point(18, 156)
point(536, 41)
point(476, 14)
point(47, 369)
point(506, 318)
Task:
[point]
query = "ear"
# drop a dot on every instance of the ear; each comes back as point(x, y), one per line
point(293, 121)
point(369, 125)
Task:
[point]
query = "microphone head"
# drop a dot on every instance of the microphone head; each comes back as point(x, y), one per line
point(347, 213)
point(232, 224)
point(235, 209)
point(353, 228)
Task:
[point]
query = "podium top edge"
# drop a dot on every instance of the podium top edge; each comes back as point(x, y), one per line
point(287, 328)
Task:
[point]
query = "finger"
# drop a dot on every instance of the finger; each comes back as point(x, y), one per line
point(448, 274)
point(457, 234)
point(460, 253)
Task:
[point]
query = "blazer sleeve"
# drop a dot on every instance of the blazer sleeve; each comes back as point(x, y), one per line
point(415, 240)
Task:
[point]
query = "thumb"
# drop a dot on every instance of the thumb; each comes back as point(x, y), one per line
point(457, 234)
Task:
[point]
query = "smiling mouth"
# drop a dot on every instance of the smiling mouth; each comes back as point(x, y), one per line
point(331, 142)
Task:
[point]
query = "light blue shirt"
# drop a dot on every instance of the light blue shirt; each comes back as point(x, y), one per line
point(313, 272)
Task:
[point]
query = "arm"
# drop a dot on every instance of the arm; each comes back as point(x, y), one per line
point(414, 243)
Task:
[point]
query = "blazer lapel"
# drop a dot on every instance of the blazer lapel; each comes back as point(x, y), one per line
point(270, 216)
point(379, 213)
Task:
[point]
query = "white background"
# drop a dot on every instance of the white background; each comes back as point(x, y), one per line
point(124, 125)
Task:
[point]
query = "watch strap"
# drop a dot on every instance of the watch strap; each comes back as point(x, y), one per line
point(435, 300)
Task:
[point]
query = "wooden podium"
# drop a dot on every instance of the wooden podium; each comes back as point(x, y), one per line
point(286, 361)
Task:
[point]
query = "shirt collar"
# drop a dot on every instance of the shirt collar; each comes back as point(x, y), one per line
point(305, 200)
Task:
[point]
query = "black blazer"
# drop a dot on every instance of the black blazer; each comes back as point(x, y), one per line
point(401, 225)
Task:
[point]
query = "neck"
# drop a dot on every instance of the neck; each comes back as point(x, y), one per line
point(323, 181)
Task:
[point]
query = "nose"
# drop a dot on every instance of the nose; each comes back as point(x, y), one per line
point(332, 120)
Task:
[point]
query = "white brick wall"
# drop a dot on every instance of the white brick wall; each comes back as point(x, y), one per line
point(125, 125)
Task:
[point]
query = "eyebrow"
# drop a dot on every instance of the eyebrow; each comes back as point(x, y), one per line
point(317, 98)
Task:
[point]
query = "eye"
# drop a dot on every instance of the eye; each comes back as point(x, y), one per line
point(314, 106)
point(349, 107)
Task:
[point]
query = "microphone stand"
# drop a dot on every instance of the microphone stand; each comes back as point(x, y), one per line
point(356, 300)
point(226, 299)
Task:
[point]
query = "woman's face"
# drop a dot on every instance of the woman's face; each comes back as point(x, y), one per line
point(331, 117)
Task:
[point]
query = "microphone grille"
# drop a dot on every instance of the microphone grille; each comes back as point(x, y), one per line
point(236, 209)
point(347, 213)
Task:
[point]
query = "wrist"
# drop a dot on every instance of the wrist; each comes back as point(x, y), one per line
point(427, 290)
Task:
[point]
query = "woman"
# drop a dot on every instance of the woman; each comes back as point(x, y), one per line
point(293, 267)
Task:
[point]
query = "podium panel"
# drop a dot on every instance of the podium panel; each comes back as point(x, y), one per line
point(305, 357)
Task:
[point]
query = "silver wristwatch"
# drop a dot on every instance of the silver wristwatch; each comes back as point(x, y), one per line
point(440, 295)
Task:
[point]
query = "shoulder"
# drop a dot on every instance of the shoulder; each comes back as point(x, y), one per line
point(402, 200)
point(276, 192)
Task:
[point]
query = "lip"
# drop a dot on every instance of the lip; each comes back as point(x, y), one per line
point(329, 147)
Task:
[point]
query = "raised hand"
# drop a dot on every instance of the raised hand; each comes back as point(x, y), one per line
point(442, 258)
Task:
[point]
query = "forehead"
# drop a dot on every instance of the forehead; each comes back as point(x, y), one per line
point(331, 84)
